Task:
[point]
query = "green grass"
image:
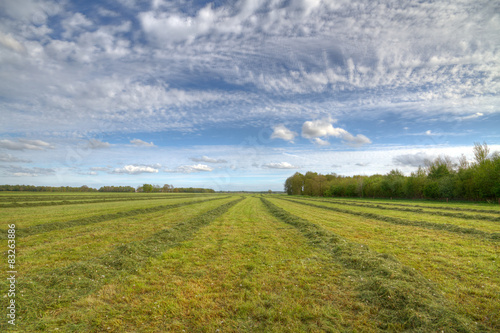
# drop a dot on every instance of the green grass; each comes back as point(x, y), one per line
point(412, 219)
point(220, 263)
point(476, 207)
point(51, 289)
point(246, 271)
point(25, 217)
point(464, 269)
point(83, 242)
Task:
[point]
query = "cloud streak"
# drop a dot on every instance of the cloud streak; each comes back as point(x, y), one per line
point(24, 144)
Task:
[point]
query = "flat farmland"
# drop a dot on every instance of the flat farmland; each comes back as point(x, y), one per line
point(139, 262)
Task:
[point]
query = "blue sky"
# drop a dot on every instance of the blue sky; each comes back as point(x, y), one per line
point(241, 94)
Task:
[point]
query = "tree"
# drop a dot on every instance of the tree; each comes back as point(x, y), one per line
point(481, 152)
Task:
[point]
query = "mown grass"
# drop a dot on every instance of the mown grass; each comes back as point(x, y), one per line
point(25, 217)
point(232, 266)
point(13, 202)
point(488, 215)
point(495, 236)
point(245, 272)
point(457, 206)
point(480, 222)
point(53, 289)
point(463, 268)
point(83, 242)
point(48, 227)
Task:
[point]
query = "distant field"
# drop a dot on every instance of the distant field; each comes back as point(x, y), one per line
point(138, 262)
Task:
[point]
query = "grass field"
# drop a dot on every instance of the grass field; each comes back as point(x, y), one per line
point(249, 263)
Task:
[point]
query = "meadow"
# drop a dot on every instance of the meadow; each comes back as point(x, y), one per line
point(144, 262)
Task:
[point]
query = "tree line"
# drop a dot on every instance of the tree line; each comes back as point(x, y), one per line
point(441, 178)
point(148, 188)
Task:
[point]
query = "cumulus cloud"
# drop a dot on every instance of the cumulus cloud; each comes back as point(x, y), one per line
point(320, 128)
point(140, 143)
point(281, 132)
point(320, 142)
point(413, 160)
point(135, 169)
point(98, 144)
point(191, 168)
point(207, 159)
point(281, 165)
point(316, 129)
point(22, 144)
point(165, 27)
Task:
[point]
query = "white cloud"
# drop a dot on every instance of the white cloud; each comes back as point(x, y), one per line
point(281, 165)
point(355, 141)
point(281, 132)
point(169, 27)
point(191, 168)
point(28, 172)
point(316, 129)
point(140, 143)
point(320, 142)
point(11, 43)
point(75, 24)
point(320, 128)
point(98, 144)
point(23, 144)
point(135, 169)
point(207, 159)
point(472, 116)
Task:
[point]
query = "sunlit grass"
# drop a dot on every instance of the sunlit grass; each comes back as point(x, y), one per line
point(425, 215)
point(244, 272)
point(56, 248)
point(464, 268)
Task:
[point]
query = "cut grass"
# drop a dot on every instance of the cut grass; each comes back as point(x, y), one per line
point(47, 227)
point(53, 289)
point(494, 236)
point(234, 267)
point(405, 299)
point(464, 269)
point(24, 217)
point(469, 207)
point(245, 272)
point(64, 200)
point(488, 216)
point(83, 242)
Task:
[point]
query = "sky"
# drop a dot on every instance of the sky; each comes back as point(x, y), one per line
point(240, 95)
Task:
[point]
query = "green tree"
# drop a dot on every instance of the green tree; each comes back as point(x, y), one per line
point(148, 188)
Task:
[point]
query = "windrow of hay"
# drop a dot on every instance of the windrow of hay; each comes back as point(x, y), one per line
point(437, 206)
point(495, 236)
point(414, 210)
point(65, 201)
point(46, 227)
point(405, 299)
point(53, 289)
